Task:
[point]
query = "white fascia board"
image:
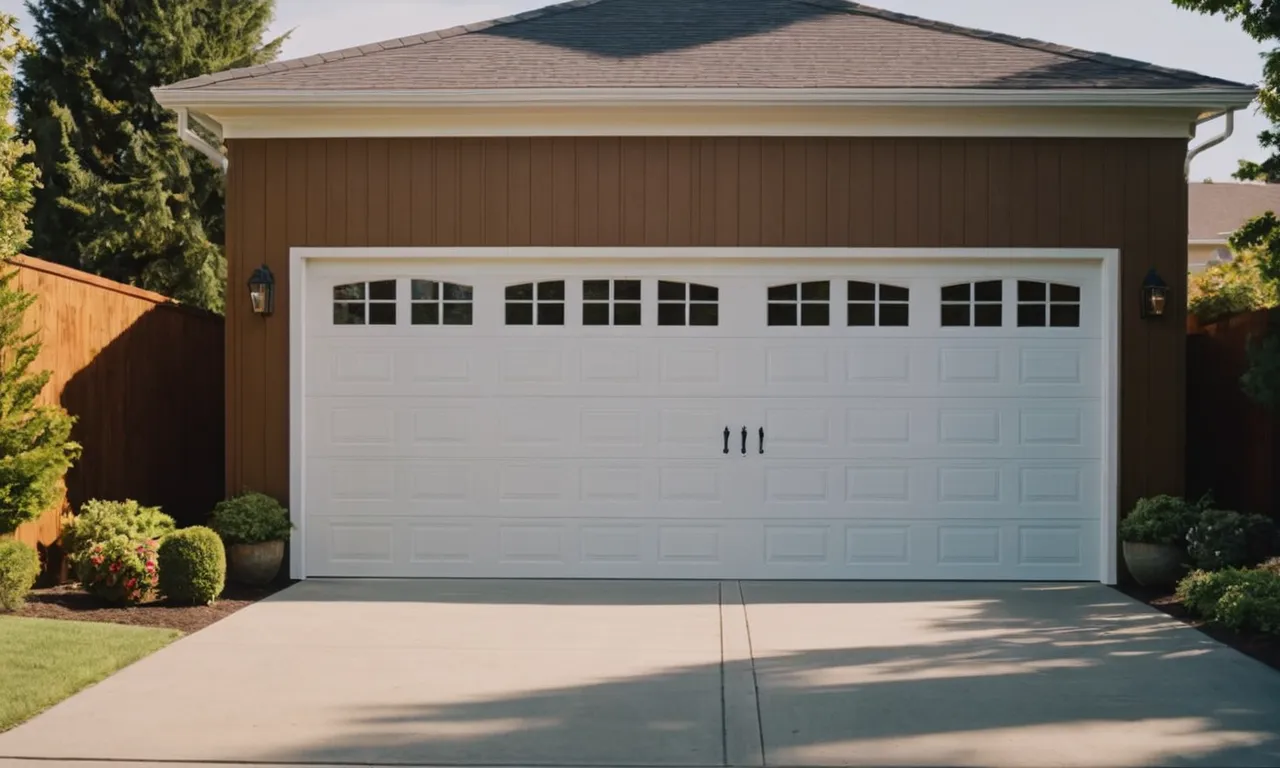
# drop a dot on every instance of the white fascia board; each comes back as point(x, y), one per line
point(705, 120)
point(1206, 100)
point(1209, 241)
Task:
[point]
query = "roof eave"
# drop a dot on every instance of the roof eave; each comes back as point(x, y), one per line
point(1207, 100)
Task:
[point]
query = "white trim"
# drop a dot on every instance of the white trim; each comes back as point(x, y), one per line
point(1111, 316)
point(702, 253)
point(1218, 241)
point(703, 120)
point(1203, 99)
point(1108, 259)
point(297, 396)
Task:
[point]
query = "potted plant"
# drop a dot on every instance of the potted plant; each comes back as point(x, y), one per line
point(1154, 537)
point(254, 527)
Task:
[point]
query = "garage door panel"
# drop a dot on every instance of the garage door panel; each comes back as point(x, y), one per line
point(568, 451)
point(797, 548)
point(932, 428)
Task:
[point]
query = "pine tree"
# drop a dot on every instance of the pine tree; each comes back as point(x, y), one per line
point(121, 196)
point(35, 440)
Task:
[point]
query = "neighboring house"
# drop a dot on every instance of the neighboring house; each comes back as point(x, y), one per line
point(706, 289)
point(1216, 210)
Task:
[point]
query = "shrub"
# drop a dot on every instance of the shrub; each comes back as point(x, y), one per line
point(1272, 565)
point(251, 518)
point(1160, 520)
point(120, 570)
point(1225, 539)
point(193, 566)
point(1243, 600)
point(1229, 289)
point(19, 569)
point(102, 521)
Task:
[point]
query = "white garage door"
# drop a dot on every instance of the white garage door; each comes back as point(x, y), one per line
point(814, 419)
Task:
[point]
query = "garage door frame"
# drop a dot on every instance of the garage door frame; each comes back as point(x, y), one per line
point(1108, 261)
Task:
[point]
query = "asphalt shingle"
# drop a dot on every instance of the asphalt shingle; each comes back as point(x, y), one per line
point(706, 44)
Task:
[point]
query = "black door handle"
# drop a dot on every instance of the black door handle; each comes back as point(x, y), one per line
point(762, 441)
point(744, 441)
point(726, 440)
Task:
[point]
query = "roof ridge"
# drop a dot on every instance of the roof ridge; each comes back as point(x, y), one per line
point(304, 62)
point(1030, 43)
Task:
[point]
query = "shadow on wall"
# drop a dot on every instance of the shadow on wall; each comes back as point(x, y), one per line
point(1070, 676)
point(149, 410)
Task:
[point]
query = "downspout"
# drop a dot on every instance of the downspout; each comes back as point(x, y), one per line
point(193, 139)
point(1227, 132)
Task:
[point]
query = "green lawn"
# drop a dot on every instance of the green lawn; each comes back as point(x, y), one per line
point(43, 662)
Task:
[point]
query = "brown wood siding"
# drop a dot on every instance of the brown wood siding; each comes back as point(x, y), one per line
point(143, 377)
point(812, 192)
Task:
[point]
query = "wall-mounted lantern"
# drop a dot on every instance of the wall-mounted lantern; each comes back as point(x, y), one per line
point(1155, 296)
point(262, 291)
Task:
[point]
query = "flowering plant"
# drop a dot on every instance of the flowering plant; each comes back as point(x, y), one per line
point(120, 569)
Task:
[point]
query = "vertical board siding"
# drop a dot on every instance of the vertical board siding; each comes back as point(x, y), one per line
point(144, 379)
point(653, 192)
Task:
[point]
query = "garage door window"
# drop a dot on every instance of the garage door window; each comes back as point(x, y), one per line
point(800, 304)
point(437, 303)
point(1053, 305)
point(536, 303)
point(372, 303)
point(876, 304)
point(688, 304)
point(978, 305)
point(611, 302)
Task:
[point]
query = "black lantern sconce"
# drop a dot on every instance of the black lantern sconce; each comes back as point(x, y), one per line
point(1155, 296)
point(262, 291)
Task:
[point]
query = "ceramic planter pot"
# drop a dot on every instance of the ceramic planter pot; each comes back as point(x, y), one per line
point(255, 564)
point(1154, 565)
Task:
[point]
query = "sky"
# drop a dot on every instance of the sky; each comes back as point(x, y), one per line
point(1147, 30)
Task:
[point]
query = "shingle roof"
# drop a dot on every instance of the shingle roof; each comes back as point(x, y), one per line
point(1218, 209)
point(705, 44)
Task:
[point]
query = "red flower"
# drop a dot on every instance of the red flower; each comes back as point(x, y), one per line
point(131, 583)
point(115, 567)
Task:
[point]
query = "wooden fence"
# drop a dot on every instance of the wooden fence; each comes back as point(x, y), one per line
point(144, 378)
point(1233, 444)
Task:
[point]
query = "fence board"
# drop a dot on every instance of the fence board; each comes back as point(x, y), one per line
point(144, 378)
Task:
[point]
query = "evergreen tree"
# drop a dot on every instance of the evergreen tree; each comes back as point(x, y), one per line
point(35, 441)
point(121, 195)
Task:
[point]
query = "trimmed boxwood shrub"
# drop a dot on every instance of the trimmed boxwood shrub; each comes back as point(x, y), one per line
point(251, 518)
point(1243, 600)
point(101, 521)
point(1224, 539)
point(19, 569)
point(193, 566)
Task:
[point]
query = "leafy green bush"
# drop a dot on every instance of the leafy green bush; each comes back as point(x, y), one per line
point(19, 569)
point(120, 570)
point(1224, 539)
point(1243, 600)
point(102, 521)
point(251, 518)
point(1160, 520)
point(193, 566)
point(1229, 289)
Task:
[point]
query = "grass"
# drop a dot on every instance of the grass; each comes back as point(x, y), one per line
point(43, 662)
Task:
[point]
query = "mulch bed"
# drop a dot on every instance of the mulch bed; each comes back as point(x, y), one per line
point(1264, 648)
point(70, 603)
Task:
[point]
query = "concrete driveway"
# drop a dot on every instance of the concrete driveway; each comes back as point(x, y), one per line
point(679, 674)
